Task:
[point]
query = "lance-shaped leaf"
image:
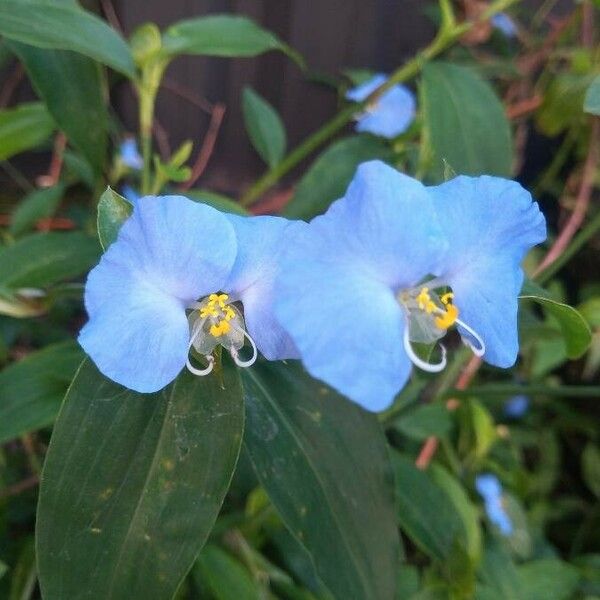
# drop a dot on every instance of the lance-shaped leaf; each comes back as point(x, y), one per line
point(133, 483)
point(223, 35)
point(23, 128)
point(113, 211)
point(62, 26)
point(325, 466)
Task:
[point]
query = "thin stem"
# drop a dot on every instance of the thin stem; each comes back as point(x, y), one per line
point(442, 41)
point(509, 389)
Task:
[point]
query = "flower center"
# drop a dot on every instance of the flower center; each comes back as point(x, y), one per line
point(429, 315)
point(215, 321)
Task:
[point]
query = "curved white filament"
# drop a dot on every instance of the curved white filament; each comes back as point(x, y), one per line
point(479, 352)
point(236, 356)
point(429, 367)
point(211, 361)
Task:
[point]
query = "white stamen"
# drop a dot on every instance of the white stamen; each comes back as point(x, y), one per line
point(236, 356)
point(201, 372)
point(479, 352)
point(211, 361)
point(429, 367)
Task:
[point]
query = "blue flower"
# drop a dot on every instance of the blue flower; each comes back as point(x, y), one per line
point(176, 279)
point(395, 263)
point(516, 407)
point(390, 115)
point(131, 194)
point(490, 489)
point(129, 154)
point(503, 23)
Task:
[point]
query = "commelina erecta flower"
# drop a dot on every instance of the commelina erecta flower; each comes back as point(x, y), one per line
point(130, 155)
point(395, 263)
point(390, 115)
point(490, 489)
point(182, 278)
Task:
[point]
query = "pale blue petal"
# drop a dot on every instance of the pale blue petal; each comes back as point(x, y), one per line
point(140, 338)
point(346, 324)
point(502, 22)
point(490, 223)
point(170, 252)
point(393, 112)
point(130, 155)
point(252, 280)
point(387, 223)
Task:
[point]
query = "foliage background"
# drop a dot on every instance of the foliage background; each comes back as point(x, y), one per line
point(320, 489)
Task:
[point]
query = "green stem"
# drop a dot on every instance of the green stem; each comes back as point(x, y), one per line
point(577, 243)
point(445, 38)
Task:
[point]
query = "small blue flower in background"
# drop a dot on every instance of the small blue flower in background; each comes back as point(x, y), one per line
point(516, 407)
point(490, 489)
point(174, 280)
point(131, 194)
point(391, 115)
point(503, 23)
point(395, 263)
point(130, 155)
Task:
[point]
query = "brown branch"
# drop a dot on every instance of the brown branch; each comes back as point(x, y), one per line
point(22, 486)
point(187, 94)
point(111, 15)
point(430, 445)
point(56, 162)
point(208, 146)
point(581, 203)
point(11, 84)
point(523, 107)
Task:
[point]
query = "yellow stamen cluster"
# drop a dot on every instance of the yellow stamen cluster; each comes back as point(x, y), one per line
point(425, 302)
point(218, 308)
point(447, 316)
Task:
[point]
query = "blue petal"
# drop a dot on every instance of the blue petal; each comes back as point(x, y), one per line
point(516, 407)
point(488, 486)
point(170, 252)
point(502, 22)
point(346, 324)
point(387, 223)
point(130, 155)
point(393, 112)
point(252, 280)
point(490, 223)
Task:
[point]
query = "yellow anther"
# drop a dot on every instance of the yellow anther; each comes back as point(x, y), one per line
point(423, 299)
point(448, 318)
point(220, 328)
point(208, 311)
point(229, 313)
point(447, 297)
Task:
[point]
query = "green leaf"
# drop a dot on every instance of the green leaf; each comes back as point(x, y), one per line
point(113, 211)
point(591, 104)
point(218, 201)
point(325, 466)
point(61, 26)
point(547, 578)
point(23, 128)
point(574, 328)
point(424, 421)
point(590, 463)
point(42, 259)
point(329, 176)
point(498, 570)
point(563, 102)
point(133, 483)
point(425, 511)
point(71, 86)
point(264, 127)
point(35, 206)
point(33, 388)
point(223, 35)
point(224, 577)
point(465, 122)
point(464, 507)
